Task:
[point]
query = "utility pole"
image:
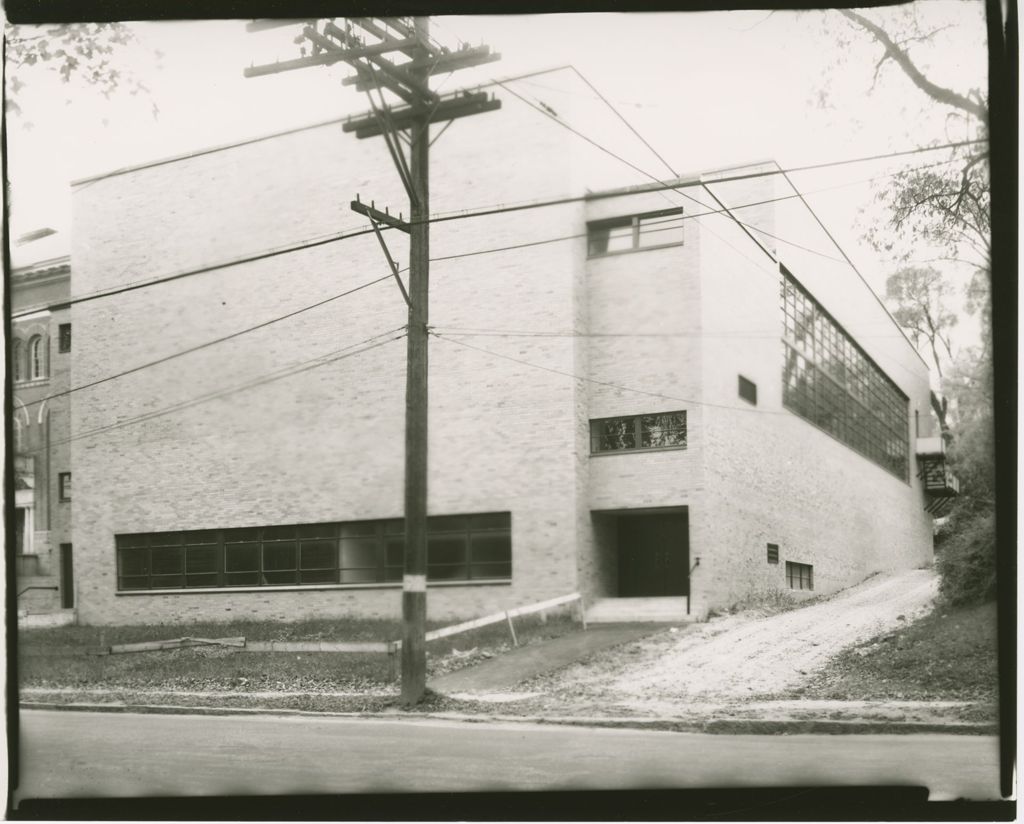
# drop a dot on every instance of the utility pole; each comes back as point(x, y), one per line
point(409, 124)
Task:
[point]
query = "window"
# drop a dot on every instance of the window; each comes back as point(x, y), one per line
point(748, 390)
point(459, 548)
point(36, 358)
point(17, 360)
point(773, 553)
point(65, 338)
point(664, 430)
point(830, 381)
point(626, 234)
point(799, 576)
point(64, 485)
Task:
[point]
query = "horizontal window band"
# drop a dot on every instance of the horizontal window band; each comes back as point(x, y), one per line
point(389, 585)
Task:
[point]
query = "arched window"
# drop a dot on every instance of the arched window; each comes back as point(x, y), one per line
point(17, 355)
point(36, 358)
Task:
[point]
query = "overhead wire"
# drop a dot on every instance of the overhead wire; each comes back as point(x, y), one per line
point(285, 372)
point(610, 384)
point(325, 239)
point(768, 253)
point(440, 258)
point(213, 342)
point(785, 176)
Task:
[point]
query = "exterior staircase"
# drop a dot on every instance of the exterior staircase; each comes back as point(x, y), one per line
point(639, 610)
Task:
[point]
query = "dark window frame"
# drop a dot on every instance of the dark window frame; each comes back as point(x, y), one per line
point(64, 338)
point(596, 228)
point(747, 390)
point(773, 554)
point(800, 574)
point(634, 430)
point(18, 349)
point(831, 382)
point(481, 533)
point(64, 486)
point(37, 358)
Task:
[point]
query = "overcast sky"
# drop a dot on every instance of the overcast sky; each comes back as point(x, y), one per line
point(706, 90)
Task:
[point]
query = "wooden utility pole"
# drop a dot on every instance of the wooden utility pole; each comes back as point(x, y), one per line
point(410, 124)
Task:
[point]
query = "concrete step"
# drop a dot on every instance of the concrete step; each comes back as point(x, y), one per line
point(638, 610)
point(52, 618)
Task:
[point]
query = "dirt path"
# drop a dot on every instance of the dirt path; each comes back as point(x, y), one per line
point(770, 654)
point(745, 655)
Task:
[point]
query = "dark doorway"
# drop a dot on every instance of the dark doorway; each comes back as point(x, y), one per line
point(654, 555)
point(67, 581)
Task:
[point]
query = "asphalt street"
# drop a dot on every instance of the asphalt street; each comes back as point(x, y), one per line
point(93, 754)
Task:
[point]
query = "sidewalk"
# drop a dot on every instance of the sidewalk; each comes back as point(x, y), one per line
point(535, 659)
point(733, 718)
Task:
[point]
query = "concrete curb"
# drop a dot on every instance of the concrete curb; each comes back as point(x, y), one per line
point(712, 726)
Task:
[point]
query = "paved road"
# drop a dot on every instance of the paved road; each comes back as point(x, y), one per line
point(75, 754)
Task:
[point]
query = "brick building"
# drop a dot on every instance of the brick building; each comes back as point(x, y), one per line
point(40, 366)
point(627, 399)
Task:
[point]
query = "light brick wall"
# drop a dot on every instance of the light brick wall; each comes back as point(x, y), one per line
point(509, 424)
point(326, 444)
point(772, 477)
point(644, 324)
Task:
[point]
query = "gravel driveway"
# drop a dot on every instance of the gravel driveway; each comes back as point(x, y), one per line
point(743, 655)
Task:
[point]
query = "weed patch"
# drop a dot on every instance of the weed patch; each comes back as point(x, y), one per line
point(58, 657)
point(950, 654)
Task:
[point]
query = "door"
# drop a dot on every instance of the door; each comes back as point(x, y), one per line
point(67, 580)
point(654, 555)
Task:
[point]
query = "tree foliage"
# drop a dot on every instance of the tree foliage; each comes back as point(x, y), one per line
point(945, 207)
point(92, 53)
point(920, 297)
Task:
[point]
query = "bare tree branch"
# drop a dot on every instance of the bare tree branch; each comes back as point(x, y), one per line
point(933, 90)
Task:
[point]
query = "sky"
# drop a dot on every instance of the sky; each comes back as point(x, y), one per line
point(707, 90)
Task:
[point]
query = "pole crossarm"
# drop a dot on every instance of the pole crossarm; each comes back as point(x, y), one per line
point(452, 61)
point(409, 85)
point(384, 217)
point(324, 58)
point(391, 261)
point(461, 104)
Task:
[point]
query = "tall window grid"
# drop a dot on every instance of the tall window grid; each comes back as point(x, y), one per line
point(829, 380)
point(459, 547)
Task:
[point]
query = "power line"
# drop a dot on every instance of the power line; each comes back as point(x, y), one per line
point(323, 240)
point(478, 332)
point(443, 258)
point(294, 369)
point(189, 273)
point(694, 216)
point(547, 112)
point(444, 337)
point(724, 208)
point(745, 228)
point(209, 343)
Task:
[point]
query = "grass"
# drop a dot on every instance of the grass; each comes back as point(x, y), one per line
point(950, 654)
point(764, 602)
point(57, 657)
